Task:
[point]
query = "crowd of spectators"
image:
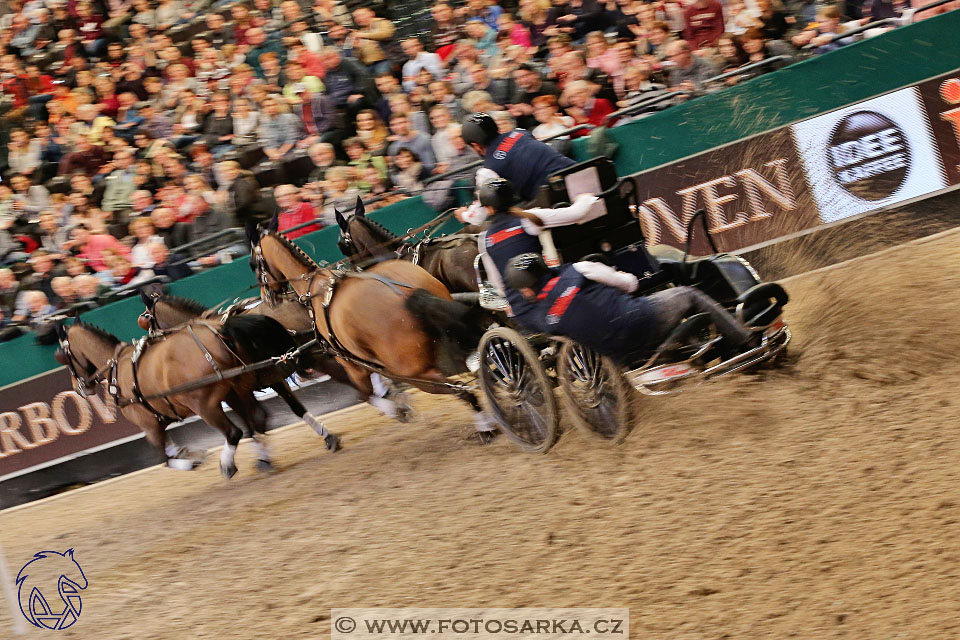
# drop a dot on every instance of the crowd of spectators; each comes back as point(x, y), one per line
point(136, 127)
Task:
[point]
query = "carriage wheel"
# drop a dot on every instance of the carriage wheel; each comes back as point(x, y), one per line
point(517, 389)
point(597, 395)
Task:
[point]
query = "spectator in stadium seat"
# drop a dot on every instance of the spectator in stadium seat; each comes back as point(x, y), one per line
point(166, 226)
point(324, 157)
point(338, 194)
point(28, 198)
point(238, 193)
point(278, 131)
point(360, 159)
point(23, 154)
point(405, 137)
point(164, 262)
point(297, 79)
point(418, 59)
point(484, 10)
point(41, 279)
point(141, 229)
point(260, 44)
point(576, 18)
point(584, 107)
point(445, 30)
point(546, 111)
point(822, 34)
point(292, 211)
point(36, 309)
point(638, 86)
point(574, 66)
point(53, 236)
point(689, 71)
point(704, 23)
point(530, 85)
point(120, 183)
point(346, 80)
point(371, 35)
point(774, 21)
point(317, 116)
point(500, 90)
point(9, 290)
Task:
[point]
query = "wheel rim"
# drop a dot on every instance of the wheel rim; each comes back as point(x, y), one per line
point(588, 384)
point(516, 398)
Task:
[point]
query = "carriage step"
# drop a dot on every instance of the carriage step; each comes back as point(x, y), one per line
point(644, 379)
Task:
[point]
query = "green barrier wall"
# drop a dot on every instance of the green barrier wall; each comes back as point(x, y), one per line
point(856, 72)
point(853, 73)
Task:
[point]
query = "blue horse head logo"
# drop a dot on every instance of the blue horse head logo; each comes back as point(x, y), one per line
point(51, 572)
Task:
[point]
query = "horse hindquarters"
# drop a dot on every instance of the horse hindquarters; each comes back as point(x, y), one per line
point(455, 328)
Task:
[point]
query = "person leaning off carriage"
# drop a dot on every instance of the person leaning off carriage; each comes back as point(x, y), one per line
point(588, 302)
point(515, 156)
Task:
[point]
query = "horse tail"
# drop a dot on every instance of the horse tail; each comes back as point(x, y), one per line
point(454, 325)
point(257, 338)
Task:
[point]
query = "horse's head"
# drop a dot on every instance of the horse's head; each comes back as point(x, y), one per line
point(74, 354)
point(361, 237)
point(149, 294)
point(281, 262)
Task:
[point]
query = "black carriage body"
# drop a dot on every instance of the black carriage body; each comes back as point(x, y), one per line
point(618, 239)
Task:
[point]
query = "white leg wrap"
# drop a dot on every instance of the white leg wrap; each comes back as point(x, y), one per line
point(260, 443)
point(227, 455)
point(484, 422)
point(380, 386)
point(387, 407)
point(172, 450)
point(315, 424)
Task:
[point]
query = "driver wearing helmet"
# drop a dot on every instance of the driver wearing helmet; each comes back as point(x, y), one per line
point(515, 155)
point(589, 302)
point(572, 301)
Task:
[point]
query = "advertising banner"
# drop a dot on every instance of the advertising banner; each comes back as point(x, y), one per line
point(43, 419)
point(869, 155)
point(864, 157)
point(752, 191)
point(941, 98)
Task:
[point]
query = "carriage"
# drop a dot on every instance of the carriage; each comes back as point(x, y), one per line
point(518, 372)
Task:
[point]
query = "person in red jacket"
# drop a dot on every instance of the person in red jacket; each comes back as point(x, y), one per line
point(705, 23)
point(292, 211)
point(584, 107)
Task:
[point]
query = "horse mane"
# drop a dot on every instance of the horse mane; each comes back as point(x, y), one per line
point(101, 333)
point(373, 225)
point(187, 304)
point(297, 252)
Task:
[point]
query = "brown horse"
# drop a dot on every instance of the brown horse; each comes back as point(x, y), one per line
point(200, 349)
point(394, 318)
point(165, 312)
point(450, 260)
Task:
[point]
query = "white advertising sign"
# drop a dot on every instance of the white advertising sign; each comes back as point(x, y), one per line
point(869, 155)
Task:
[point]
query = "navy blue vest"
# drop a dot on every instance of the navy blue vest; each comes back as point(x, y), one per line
point(505, 239)
point(524, 161)
point(597, 316)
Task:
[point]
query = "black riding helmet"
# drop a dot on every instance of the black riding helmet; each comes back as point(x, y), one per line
point(497, 194)
point(480, 128)
point(526, 271)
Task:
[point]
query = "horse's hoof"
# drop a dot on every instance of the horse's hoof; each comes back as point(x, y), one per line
point(228, 472)
point(404, 415)
point(486, 437)
point(333, 442)
point(265, 466)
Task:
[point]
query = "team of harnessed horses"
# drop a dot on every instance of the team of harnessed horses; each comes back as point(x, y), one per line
point(385, 314)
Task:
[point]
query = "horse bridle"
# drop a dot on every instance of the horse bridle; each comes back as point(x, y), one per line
point(91, 379)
